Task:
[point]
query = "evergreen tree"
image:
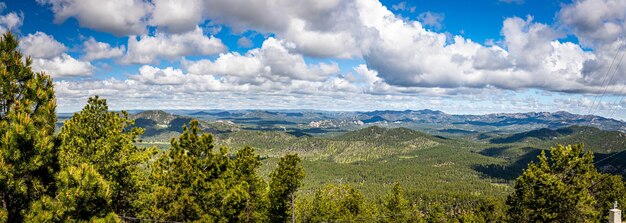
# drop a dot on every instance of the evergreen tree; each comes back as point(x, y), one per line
point(436, 214)
point(335, 203)
point(192, 182)
point(395, 206)
point(469, 217)
point(609, 189)
point(103, 139)
point(83, 195)
point(27, 122)
point(246, 165)
point(492, 210)
point(563, 188)
point(285, 180)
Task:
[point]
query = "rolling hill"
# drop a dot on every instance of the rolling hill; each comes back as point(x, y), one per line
point(370, 143)
point(370, 156)
point(521, 148)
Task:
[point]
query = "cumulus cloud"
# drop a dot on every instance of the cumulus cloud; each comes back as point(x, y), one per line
point(367, 76)
point(600, 25)
point(41, 45)
point(10, 21)
point(49, 56)
point(595, 22)
point(400, 56)
point(177, 16)
point(406, 55)
point(272, 62)
point(62, 66)
point(94, 50)
point(148, 49)
point(152, 75)
point(119, 17)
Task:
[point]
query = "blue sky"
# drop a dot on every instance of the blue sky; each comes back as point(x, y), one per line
point(468, 57)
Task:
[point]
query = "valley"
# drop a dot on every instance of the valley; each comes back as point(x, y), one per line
point(430, 153)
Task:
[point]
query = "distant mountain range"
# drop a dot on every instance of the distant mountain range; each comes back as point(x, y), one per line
point(414, 119)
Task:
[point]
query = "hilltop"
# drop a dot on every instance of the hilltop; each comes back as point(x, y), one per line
point(160, 126)
point(521, 148)
point(361, 145)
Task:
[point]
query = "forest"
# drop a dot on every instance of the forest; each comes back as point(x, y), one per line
point(95, 169)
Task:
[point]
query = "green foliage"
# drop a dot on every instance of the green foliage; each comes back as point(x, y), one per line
point(362, 145)
point(27, 121)
point(83, 195)
point(246, 165)
point(285, 180)
point(563, 188)
point(436, 214)
point(192, 182)
point(395, 206)
point(492, 210)
point(337, 203)
point(101, 138)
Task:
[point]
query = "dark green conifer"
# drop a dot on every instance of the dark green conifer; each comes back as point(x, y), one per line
point(285, 180)
point(27, 122)
point(104, 139)
point(564, 187)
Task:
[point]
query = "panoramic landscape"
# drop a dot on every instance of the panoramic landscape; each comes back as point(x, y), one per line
point(312, 111)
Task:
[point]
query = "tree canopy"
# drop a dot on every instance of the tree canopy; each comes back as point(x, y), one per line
point(27, 122)
point(564, 187)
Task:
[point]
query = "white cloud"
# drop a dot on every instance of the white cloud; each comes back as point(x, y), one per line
point(63, 66)
point(431, 19)
point(317, 27)
point(367, 76)
point(152, 75)
point(526, 41)
point(119, 17)
point(10, 21)
point(595, 22)
point(271, 62)
point(49, 56)
point(401, 56)
point(177, 16)
point(340, 44)
point(492, 58)
point(94, 50)
point(406, 55)
point(41, 45)
point(148, 49)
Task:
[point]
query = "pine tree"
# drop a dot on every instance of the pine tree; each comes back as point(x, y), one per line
point(192, 182)
point(103, 139)
point(27, 122)
point(395, 206)
point(338, 203)
point(563, 188)
point(492, 210)
point(246, 165)
point(83, 195)
point(436, 213)
point(285, 180)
